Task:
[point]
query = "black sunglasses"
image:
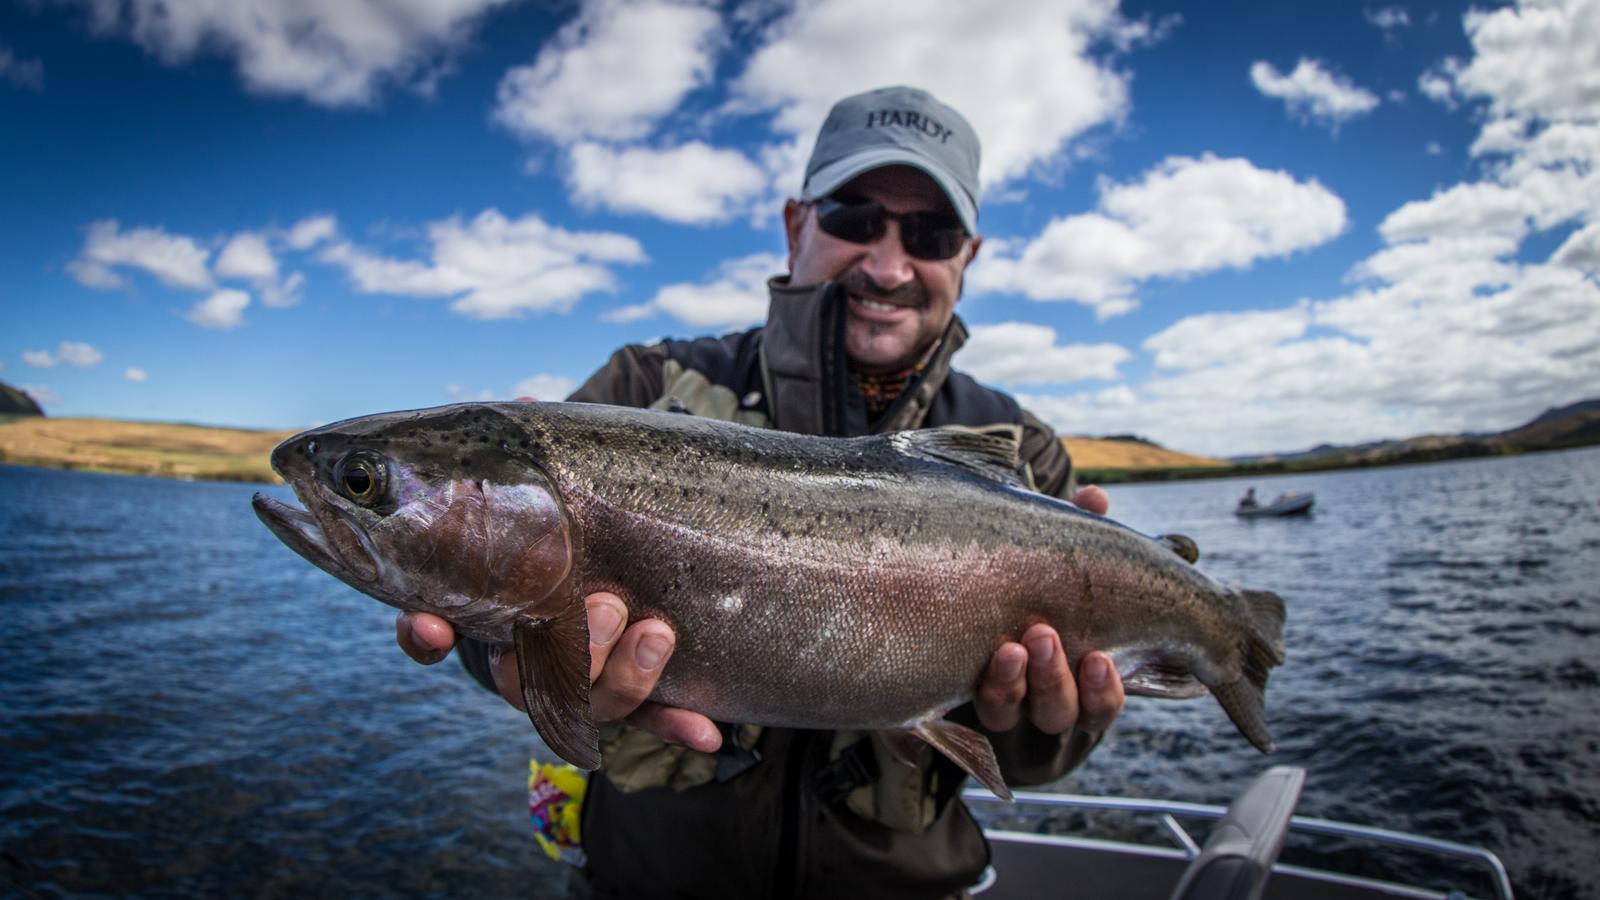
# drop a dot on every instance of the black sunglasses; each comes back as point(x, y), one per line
point(924, 235)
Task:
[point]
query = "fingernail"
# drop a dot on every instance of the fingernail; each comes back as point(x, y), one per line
point(1041, 651)
point(1096, 671)
point(1009, 667)
point(652, 649)
point(604, 623)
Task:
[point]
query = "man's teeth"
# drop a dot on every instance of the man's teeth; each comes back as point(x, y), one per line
point(881, 307)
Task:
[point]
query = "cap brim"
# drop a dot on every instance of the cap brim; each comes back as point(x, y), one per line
point(833, 176)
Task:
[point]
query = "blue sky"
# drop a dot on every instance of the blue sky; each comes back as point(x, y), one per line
point(1230, 228)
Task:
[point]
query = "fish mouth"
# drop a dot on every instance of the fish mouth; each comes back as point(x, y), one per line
point(303, 534)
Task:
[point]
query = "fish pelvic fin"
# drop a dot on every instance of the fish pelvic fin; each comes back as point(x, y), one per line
point(977, 453)
point(553, 660)
point(964, 747)
point(1260, 650)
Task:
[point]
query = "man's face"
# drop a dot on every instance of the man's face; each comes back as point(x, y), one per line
point(898, 305)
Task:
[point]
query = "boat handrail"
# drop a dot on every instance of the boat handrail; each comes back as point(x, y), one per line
point(1307, 824)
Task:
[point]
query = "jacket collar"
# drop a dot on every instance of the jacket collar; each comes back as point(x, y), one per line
point(807, 382)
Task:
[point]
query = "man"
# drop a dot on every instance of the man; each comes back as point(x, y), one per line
point(858, 340)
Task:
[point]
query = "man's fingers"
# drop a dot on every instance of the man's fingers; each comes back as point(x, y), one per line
point(1100, 693)
point(1052, 697)
point(999, 698)
point(425, 638)
point(678, 726)
point(1093, 498)
point(607, 615)
point(631, 670)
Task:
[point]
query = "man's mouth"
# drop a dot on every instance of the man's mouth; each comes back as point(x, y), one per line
point(877, 305)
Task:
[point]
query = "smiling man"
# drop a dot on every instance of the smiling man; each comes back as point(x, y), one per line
point(858, 340)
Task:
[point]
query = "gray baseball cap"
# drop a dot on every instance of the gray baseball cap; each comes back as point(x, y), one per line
point(897, 126)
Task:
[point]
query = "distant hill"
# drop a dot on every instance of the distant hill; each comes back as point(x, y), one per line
point(1102, 459)
point(1574, 425)
point(15, 403)
point(140, 448)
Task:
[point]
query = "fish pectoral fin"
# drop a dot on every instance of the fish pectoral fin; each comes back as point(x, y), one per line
point(1181, 544)
point(553, 660)
point(966, 748)
point(985, 455)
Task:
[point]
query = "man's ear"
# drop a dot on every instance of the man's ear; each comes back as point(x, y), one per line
point(794, 221)
point(977, 241)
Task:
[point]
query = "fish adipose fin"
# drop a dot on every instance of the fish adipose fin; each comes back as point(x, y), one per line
point(553, 660)
point(966, 748)
point(1260, 649)
point(1181, 544)
point(985, 455)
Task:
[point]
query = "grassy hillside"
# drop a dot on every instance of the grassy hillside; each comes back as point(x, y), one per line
point(139, 448)
point(1105, 460)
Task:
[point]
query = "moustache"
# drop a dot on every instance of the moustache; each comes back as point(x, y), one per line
point(861, 284)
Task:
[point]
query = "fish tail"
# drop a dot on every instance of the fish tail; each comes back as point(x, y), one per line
point(1260, 650)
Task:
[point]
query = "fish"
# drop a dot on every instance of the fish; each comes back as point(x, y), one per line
point(812, 582)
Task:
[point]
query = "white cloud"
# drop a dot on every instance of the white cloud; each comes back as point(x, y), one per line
point(1436, 86)
point(1463, 210)
point(735, 297)
point(1185, 217)
point(135, 375)
point(693, 183)
point(1388, 18)
point(544, 387)
point(1581, 250)
point(70, 353)
point(332, 54)
point(460, 394)
point(1314, 93)
point(1539, 60)
point(247, 256)
point(311, 231)
point(494, 267)
point(1214, 338)
point(41, 394)
point(613, 72)
point(222, 311)
point(174, 260)
point(1030, 79)
point(24, 74)
point(1022, 353)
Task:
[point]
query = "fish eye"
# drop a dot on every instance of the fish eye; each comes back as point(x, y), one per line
point(362, 477)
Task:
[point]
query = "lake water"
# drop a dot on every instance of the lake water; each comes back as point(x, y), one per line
point(190, 709)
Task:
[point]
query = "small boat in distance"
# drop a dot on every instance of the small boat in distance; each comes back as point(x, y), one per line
point(1295, 503)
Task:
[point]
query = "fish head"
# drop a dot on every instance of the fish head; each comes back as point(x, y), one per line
point(430, 511)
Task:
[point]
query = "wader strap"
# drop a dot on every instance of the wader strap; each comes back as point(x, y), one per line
point(855, 766)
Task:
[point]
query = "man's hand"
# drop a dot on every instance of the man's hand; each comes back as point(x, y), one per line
point(625, 664)
point(1034, 675)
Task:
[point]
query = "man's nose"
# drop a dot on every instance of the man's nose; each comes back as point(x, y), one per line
point(886, 261)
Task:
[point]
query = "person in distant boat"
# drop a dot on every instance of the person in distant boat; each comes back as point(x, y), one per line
point(1248, 501)
point(858, 340)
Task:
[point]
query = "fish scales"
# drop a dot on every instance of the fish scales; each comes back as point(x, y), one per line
point(812, 582)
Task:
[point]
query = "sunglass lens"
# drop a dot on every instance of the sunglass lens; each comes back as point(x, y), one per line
point(858, 223)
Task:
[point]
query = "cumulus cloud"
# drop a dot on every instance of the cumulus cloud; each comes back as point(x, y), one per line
point(1538, 60)
point(135, 375)
point(1184, 217)
point(693, 183)
point(1212, 338)
point(1388, 18)
point(311, 231)
point(331, 54)
point(1022, 353)
point(222, 311)
point(493, 267)
point(24, 74)
point(249, 257)
point(68, 353)
point(612, 72)
point(545, 387)
point(1581, 250)
point(1030, 80)
point(174, 260)
point(1312, 92)
point(735, 297)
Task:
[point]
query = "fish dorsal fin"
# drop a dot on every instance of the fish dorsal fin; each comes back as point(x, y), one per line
point(988, 456)
point(553, 660)
point(1181, 544)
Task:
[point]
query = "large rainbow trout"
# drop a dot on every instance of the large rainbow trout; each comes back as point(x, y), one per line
point(830, 583)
